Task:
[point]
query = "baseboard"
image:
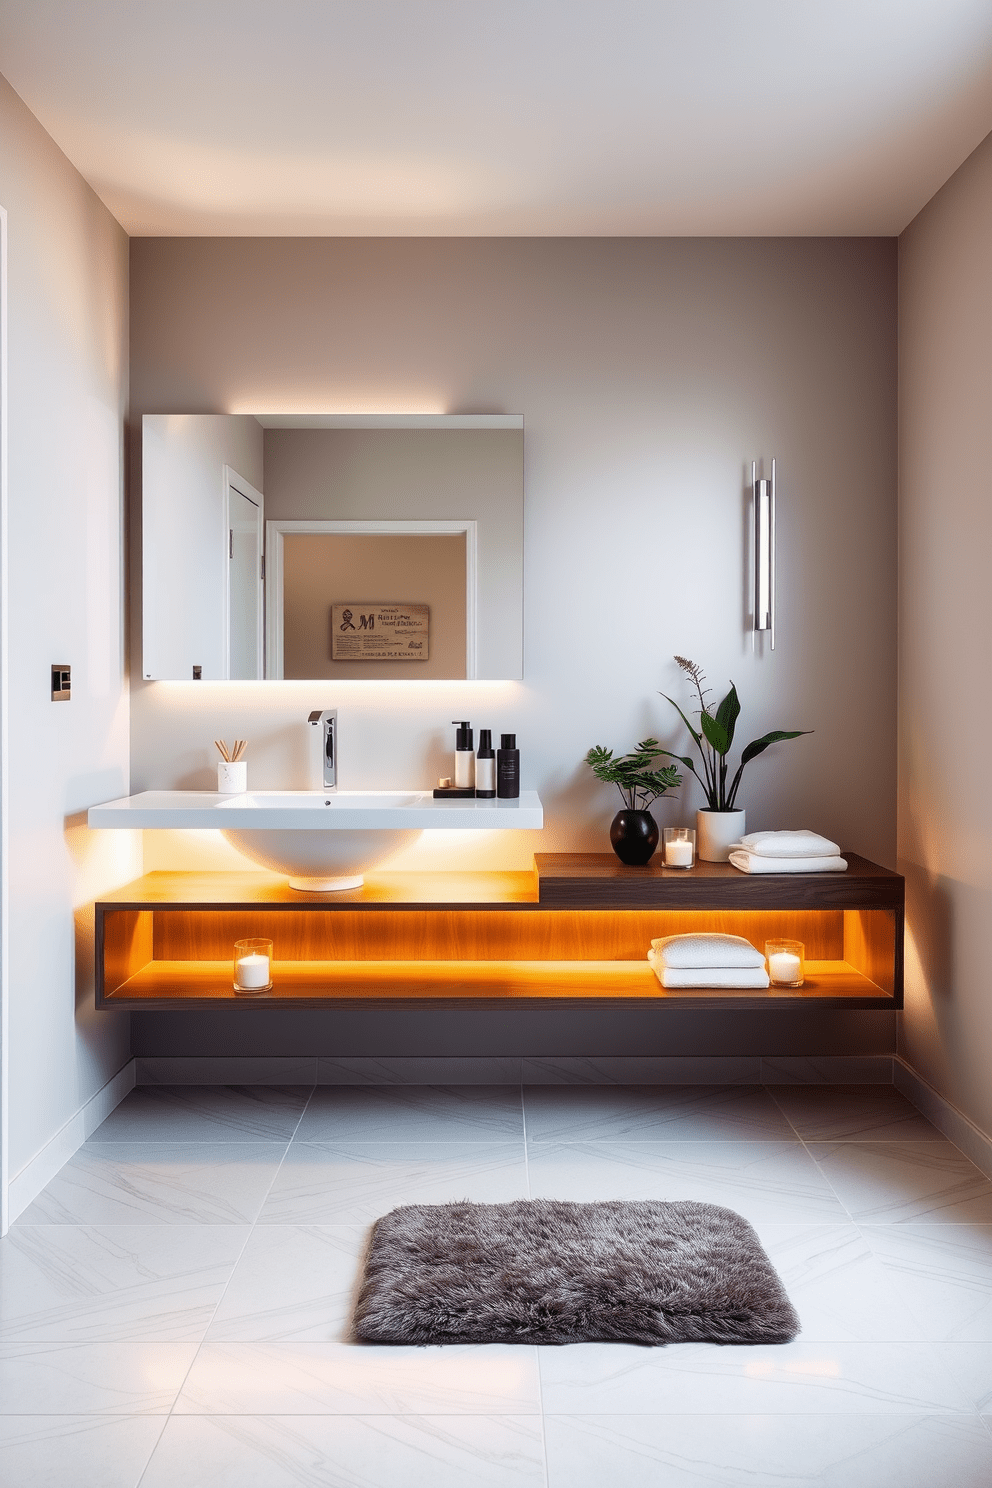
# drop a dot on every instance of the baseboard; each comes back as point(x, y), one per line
point(955, 1125)
point(750, 1069)
point(239, 1069)
point(26, 1185)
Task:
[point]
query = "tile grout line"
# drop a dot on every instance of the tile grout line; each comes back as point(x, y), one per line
point(220, 1299)
point(812, 1157)
point(165, 1421)
point(862, 1140)
point(537, 1351)
point(523, 1118)
point(896, 1286)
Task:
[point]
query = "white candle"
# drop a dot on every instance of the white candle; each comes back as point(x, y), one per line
point(253, 971)
point(783, 968)
point(678, 854)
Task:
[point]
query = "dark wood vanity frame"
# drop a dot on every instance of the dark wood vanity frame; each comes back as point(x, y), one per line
point(577, 928)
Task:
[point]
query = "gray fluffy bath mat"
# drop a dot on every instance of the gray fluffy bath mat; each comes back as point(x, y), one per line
point(544, 1271)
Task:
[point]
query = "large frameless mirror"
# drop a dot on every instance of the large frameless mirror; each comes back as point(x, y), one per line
point(332, 546)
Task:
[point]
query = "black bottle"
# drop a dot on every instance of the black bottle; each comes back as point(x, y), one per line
point(464, 756)
point(485, 766)
point(508, 768)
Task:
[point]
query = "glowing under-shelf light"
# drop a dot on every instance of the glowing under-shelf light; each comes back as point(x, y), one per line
point(763, 574)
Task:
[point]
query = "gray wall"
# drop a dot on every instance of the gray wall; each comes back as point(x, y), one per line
point(945, 809)
point(649, 373)
point(67, 399)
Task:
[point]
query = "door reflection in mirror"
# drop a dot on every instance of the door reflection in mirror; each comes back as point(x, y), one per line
point(245, 602)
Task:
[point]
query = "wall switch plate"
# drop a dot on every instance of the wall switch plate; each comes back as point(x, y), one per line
point(61, 683)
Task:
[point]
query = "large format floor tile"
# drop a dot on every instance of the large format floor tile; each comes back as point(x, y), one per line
point(787, 1451)
point(970, 1365)
point(838, 1286)
point(292, 1283)
point(632, 1113)
point(349, 1452)
point(69, 1283)
point(211, 1113)
point(127, 1183)
point(412, 1113)
point(900, 1182)
point(854, 1113)
point(75, 1451)
point(769, 1379)
point(761, 1180)
point(45, 1379)
point(944, 1274)
point(355, 1183)
point(281, 1379)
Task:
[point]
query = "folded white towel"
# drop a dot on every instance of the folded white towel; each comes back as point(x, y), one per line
point(804, 844)
point(707, 976)
point(707, 951)
point(749, 862)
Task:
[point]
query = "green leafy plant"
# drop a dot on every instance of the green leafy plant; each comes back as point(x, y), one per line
point(714, 738)
point(632, 773)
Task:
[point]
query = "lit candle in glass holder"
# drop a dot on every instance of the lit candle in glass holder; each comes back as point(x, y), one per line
point(786, 962)
point(252, 966)
point(680, 847)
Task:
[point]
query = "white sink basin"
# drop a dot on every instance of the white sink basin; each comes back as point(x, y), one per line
point(321, 840)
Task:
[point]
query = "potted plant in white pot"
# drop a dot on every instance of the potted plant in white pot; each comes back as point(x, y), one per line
point(721, 822)
point(634, 831)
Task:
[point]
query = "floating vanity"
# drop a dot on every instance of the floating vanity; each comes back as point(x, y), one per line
point(575, 928)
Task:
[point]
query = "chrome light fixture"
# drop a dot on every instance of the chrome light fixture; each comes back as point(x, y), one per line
point(763, 569)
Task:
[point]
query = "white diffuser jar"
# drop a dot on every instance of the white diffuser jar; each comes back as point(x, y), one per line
point(232, 777)
point(716, 833)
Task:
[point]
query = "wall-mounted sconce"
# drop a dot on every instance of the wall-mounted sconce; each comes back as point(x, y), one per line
point(763, 530)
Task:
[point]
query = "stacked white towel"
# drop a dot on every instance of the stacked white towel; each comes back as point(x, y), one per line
point(787, 852)
point(707, 961)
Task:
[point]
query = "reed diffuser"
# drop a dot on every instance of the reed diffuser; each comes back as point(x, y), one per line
point(232, 767)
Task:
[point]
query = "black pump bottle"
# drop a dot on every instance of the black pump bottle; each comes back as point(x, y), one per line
point(464, 756)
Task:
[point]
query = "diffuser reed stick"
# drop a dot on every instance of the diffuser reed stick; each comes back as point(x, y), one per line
point(231, 756)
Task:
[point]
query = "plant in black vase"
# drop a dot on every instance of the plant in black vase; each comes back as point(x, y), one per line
point(634, 831)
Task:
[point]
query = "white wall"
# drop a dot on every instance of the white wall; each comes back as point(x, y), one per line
point(68, 294)
point(945, 712)
point(649, 373)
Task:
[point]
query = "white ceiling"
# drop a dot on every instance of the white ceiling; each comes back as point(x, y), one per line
point(507, 117)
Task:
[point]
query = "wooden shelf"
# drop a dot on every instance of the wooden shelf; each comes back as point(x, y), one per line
point(600, 881)
point(302, 983)
point(576, 929)
point(381, 891)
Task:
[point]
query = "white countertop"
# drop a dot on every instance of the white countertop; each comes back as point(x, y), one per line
point(314, 810)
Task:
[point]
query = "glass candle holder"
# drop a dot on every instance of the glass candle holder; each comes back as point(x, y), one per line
point(252, 966)
point(786, 962)
point(680, 847)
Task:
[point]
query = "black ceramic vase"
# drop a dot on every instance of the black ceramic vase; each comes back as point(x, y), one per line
point(634, 835)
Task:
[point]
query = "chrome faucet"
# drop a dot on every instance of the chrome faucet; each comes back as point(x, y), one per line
point(328, 722)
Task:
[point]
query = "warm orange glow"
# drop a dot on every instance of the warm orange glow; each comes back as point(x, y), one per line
point(426, 934)
point(474, 981)
point(455, 936)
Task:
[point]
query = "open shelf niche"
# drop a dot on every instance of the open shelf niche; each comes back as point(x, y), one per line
point(577, 928)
